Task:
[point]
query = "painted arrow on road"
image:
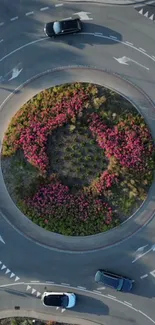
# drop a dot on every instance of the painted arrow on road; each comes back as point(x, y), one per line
point(125, 59)
point(15, 73)
point(83, 15)
point(1, 239)
point(143, 254)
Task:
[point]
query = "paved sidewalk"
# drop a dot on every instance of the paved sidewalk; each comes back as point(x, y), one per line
point(115, 2)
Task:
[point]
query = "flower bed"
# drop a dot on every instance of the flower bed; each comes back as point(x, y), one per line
point(82, 159)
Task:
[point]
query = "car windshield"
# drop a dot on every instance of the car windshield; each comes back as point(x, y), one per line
point(120, 285)
point(57, 27)
point(56, 300)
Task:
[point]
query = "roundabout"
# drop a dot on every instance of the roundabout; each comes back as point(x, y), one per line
point(131, 249)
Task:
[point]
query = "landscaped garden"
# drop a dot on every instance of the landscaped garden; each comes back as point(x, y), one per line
point(78, 159)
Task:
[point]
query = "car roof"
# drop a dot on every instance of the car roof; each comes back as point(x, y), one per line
point(68, 24)
point(54, 300)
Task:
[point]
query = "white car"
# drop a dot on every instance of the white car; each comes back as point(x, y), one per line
point(59, 299)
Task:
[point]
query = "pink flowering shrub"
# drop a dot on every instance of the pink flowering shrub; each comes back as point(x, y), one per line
point(128, 142)
point(106, 181)
point(54, 202)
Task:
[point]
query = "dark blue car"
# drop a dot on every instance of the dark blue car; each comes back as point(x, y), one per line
point(114, 281)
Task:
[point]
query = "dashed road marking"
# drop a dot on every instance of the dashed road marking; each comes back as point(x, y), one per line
point(33, 290)
point(129, 43)
point(65, 284)
point(35, 281)
point(111, 296)
point(7, 271)
point(144, 276)
point(82, 288)
point(17, 278)
point(38, 294)
point(96, 291)
point(1, 40)
point(98, 34)
point(29, 13)
point(142, 49)
point(59, 5)
point(12, 275)
point(14, 18)
point(50, 282)
point(3, 267)
point(44, 8)
point(114, 37)
point(2, 23)
point(128, 303)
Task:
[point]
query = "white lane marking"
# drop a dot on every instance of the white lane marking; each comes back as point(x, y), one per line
point(153, 273)
point(29, 13)
point(111, 296)
point(129, 43)
point(97, 291)
point(98, 34)
point(2, 23)
point(62, 310)
point(35, 281)
point(3, 267)
point(81, 288)
point(67, 18)
point(101, 288)
point(65, 284)
point(44, 8)
point(142, 49)
point(14, 18)
point(128, 303)
point(103, 36)
point(17, 278)
point(144, 276)
point(146, 14)
point(147, 316)
point(59, 5)
point(151, 17)
point(50, 282)
point(22, 47)
point(88, 291)
point(1, 239)
point(38, 293)
point(153, 246)
point(114, 37)
point(1, 42)
point(153, 57)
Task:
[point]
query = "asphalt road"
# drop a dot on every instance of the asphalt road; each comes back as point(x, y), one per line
point(108, 36)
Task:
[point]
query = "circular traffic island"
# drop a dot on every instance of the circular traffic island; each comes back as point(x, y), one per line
point(78, 159)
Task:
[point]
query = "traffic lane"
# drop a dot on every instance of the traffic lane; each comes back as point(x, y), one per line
point(96, 307)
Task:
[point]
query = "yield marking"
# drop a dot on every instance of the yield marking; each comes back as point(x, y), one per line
point(1, 24)
point(29, 13)
point(17, 278)
point(146, 14)
point(14, 18)
point(28, 287)
point(3, 267)
point(144, 276)
point(57, 308)
point(38, 294)
point(0, 262)
point(1, 239)
point(7, 271)
point(83, 15)
point(1, 40)
point(33, 291)
point(12, 275)
point(44, 8)
point(63, 310)
point(141, 11)
point(153, 273)
point(151, 17)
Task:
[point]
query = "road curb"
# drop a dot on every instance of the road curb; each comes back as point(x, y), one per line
point(122, 3)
